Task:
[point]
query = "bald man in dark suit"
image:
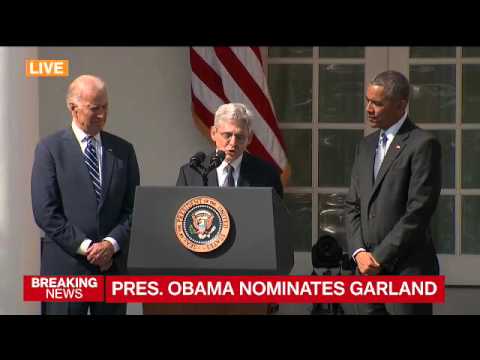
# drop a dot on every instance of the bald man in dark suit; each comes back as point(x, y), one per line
point(83, 187)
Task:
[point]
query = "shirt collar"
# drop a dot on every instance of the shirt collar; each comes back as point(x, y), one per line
point(392, 130)
point(235, 163)
point(82, 135)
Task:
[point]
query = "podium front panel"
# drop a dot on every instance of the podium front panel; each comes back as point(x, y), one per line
point(251, 247)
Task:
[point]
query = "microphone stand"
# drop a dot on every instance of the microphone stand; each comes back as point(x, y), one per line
point(202, 171)
point(204, 174)
point(215, 160)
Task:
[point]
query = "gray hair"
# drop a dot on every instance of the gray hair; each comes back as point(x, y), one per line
point(395, 84)
point(76, 86)
point(234, 112)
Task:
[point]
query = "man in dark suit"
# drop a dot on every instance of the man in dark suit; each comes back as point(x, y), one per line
point(231, 133)
point(83, 187)
point(395, 186)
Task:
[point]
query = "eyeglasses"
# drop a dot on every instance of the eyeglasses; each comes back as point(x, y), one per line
point(228, 136)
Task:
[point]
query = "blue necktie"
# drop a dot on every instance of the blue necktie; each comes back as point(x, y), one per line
point(229, 181)
point(91, 160)
point(381, 152)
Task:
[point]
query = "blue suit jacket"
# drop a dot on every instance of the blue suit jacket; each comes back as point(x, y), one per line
point(65, 207)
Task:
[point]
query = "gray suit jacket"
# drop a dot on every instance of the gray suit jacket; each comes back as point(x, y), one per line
point(64, 203)
point(390, 216)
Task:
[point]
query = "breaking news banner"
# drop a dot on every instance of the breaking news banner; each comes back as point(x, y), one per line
point(237, 289)
point(278, 289)
point(63, 288)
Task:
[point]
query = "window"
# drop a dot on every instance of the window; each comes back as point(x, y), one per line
point(318, 94)
point(446, 101)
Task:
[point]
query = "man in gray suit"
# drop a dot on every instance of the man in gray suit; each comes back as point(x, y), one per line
point(395, 186)
point(83, 187)
point(232, 134)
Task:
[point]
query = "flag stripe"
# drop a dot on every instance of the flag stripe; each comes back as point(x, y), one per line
point(209, 98)
point(205, 72)
point(209, 57)
point(202, 111)
point(257, 53)
point(249, 86)
point(223, 75)
point(255, 68)
point(260, 128)
point(252, 65)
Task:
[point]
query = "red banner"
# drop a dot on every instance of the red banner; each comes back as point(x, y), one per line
point(275, 289)
point(63, 288)
point(236, 289)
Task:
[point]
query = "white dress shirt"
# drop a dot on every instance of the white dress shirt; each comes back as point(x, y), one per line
point(222, 171)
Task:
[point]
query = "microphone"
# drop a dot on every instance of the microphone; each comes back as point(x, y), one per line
point(216, 159)
point(197, 159)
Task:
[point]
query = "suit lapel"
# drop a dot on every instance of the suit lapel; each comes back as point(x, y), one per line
point(394, 150)
point(108, 162)
point(243, 179)
point(76, 157)
point(212, 177)
point(370, 161)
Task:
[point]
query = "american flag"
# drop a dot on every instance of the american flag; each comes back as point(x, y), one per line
point(235, 74)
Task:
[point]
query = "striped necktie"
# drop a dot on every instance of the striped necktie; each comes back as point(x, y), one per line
point(381, 152)
point(229, 181)
point(91, 160)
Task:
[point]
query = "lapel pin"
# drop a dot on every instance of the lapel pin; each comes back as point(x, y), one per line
point(397, 147)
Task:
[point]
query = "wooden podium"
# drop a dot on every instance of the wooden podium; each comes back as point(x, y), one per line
point(258, 243)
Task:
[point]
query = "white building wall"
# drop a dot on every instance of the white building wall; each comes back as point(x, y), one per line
point(19, 236)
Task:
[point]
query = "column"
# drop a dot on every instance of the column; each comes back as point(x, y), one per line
point(19, 123)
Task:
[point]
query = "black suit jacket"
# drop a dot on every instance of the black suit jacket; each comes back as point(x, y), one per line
point(391, 216)
point(253, 172)
point(64, 203)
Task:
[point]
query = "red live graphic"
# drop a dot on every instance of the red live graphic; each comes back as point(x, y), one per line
point(278, 289)
point(63, 288)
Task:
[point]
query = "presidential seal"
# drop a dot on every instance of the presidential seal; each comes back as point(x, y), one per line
point(202, 224)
